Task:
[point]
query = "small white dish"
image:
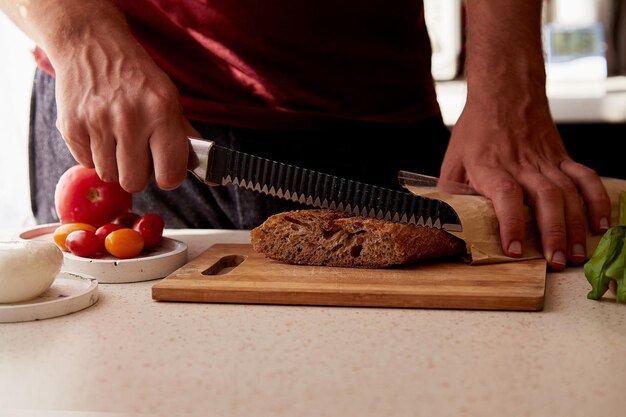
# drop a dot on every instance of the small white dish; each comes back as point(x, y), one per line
point(68, 294)
point(157, 263)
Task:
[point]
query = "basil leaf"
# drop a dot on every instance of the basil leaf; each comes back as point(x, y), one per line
point(622, 208)
point(607, 263)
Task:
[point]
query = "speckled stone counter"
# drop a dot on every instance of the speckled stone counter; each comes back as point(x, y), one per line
point(129, 355)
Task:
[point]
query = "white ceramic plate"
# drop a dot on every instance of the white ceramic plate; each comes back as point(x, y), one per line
point(68, 294)
point(157, 263)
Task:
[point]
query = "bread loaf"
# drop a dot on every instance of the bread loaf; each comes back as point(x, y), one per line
point(332, 238)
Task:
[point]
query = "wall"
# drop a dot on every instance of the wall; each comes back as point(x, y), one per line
point(16, 72)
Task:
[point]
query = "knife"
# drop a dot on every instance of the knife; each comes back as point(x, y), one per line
point(215, 164)
point(411, 179)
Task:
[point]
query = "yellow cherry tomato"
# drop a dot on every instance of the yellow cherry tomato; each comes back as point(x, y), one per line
point(124, 243)
point(61, 232)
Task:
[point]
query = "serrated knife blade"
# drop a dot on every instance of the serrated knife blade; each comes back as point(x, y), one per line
point(215, 164)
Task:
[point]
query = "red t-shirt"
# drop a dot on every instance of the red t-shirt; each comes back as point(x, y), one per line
point(289, 64)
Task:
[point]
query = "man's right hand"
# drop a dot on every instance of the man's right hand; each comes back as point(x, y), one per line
point(117, 110)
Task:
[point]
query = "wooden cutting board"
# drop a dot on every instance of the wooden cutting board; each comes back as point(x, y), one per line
point(234, 273)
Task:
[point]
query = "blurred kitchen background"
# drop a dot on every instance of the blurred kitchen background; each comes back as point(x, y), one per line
point(16, 75)
point(585, 49)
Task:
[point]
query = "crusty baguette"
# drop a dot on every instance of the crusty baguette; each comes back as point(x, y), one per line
point(332, 238)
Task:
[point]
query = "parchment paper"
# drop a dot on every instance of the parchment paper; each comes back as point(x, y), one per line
point(480, 226)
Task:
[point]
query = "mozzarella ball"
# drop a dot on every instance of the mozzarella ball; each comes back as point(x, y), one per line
point(27, 269)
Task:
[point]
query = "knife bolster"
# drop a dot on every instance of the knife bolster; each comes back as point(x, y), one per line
point(201, 158)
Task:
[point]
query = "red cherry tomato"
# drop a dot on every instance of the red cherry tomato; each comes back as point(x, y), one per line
point(83, 243)
point(81, 196)
point(124, 243)
point(61, 233)
point(126, 219)
point(103, 231)
point(151, 227)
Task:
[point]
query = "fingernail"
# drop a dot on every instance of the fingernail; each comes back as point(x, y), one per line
point(604, 223)
point(558, 257)
point(515, 247)
point(578, 251)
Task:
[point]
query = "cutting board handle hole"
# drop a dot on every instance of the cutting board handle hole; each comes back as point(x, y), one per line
point(224, 265)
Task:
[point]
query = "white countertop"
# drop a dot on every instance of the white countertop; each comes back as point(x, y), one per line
point(131, 356)
point(596, 101)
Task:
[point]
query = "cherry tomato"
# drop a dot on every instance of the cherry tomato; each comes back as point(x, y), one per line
point(83, 243)
point(124, 243)
point(81, 196)
point(61, 233)
point(151, 228)
point(126, 219)
point(103, 231)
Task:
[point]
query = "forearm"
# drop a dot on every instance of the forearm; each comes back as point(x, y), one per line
point(60, 27)
point(504, 50)
point(506, 145)
point(116, 109)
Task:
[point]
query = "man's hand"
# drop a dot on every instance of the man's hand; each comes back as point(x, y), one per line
point(117, 110)
point(515, 159)
point(505, 144)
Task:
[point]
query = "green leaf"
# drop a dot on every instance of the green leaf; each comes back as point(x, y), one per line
point(621, 288)
point(622, 208)
point(616, 271)
point(607, 263)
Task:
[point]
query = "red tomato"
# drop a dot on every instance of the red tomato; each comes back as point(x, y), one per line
point(83, 243)
point(126, 219)
point(81, 196)
point(103, 231)
point(151, 228)
point(124, 243)
point(62, 232)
